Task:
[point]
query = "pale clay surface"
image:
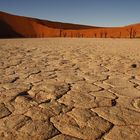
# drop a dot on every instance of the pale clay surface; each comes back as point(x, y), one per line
point(70, 89)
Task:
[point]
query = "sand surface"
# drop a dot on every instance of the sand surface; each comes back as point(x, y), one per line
point(70, 89)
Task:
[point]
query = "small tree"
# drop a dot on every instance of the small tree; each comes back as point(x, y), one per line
point(95, 35)
point(132, 32)
point(65, 34)
point(120, 34)
point(105, 34)
point(71, 35)
point(60, 35)
point(101, 34)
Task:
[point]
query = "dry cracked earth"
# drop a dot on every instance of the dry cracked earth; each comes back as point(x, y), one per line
point(70, 89)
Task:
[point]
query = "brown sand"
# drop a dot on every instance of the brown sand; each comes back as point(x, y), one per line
point(69, 89)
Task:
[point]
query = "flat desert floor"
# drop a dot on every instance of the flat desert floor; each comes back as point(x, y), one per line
point(70, 89)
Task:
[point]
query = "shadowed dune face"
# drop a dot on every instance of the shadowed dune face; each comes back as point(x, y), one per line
point(12, 26)
point(7, 32)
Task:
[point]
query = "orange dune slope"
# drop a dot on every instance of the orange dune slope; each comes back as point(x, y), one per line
point(12, 26)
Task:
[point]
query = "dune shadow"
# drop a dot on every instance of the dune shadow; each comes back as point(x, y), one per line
point(6, 31)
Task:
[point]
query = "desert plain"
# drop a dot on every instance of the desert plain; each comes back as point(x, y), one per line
point(69, 89)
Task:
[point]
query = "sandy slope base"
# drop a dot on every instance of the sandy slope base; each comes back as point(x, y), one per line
point(70, 89)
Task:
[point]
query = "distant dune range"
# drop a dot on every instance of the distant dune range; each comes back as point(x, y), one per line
point(12, 26)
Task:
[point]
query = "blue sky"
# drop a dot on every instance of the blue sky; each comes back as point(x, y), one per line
point(90, 12)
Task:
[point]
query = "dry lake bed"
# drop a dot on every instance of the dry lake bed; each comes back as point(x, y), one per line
point(70, 89)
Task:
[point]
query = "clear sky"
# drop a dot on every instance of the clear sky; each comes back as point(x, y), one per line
point(90, 12)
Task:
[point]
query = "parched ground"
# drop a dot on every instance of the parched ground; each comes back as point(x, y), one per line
point(70, 89)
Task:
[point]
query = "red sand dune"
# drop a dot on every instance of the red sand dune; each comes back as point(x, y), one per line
point(12, 26)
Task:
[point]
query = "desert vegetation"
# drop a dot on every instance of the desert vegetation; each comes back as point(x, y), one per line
point(132, 32)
